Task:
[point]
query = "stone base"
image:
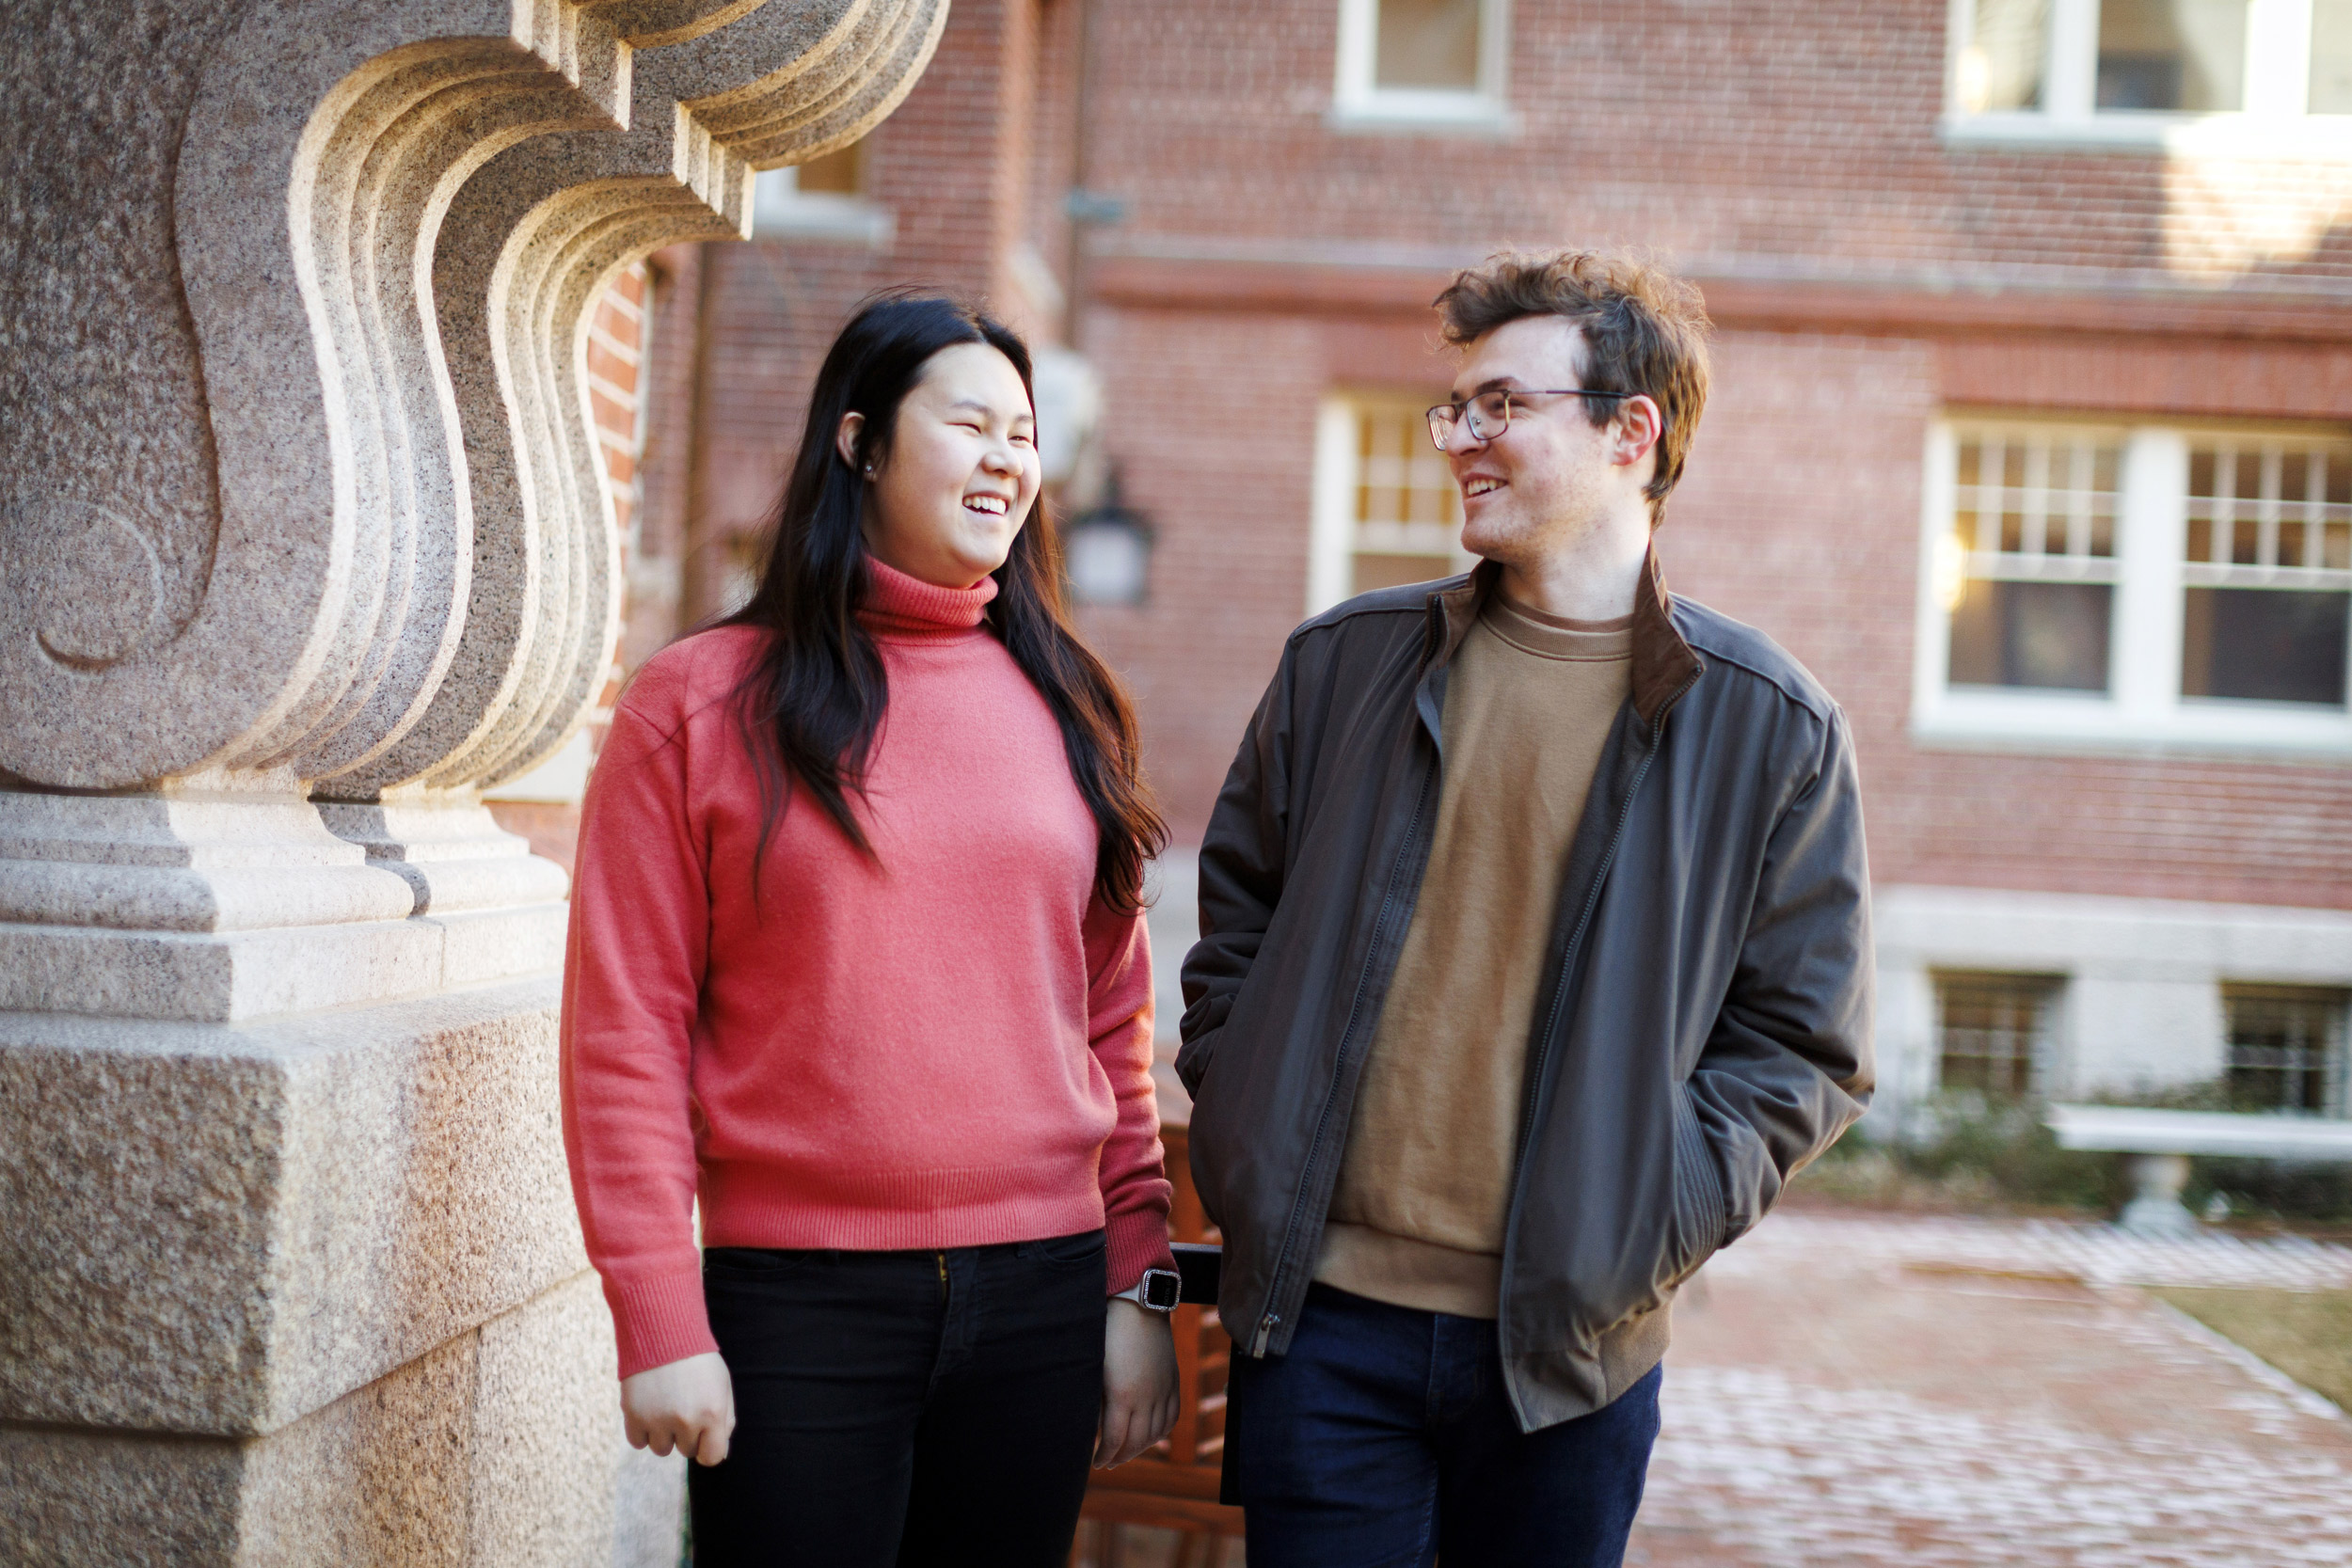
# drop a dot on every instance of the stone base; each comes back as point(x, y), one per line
point(219, 1229)
point(306, 1292)
point(218, 906)
point(501, 1447)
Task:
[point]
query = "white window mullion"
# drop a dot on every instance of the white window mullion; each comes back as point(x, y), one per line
point(1360, 22)
point(1942, 567)
point(2070, 88)
point(2153, 530)
point(2277, 58)
point(1331, 534)
point(1494, 48)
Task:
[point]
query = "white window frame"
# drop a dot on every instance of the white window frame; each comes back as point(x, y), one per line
point(2277, 95)
point(2142, 709)
point(781, 210)
point(1332, 536)
point(1358, 103)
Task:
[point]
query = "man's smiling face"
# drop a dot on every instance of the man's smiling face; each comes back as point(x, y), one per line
point(1552, 474)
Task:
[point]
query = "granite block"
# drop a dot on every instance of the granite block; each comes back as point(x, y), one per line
point(327, 1197)
point(548, 1438)
point(76, 1499)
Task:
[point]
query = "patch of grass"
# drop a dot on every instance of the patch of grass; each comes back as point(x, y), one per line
point(2306, 1335)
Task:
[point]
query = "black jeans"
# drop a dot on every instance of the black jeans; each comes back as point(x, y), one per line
point(906, 1408)
point(1384, 1439)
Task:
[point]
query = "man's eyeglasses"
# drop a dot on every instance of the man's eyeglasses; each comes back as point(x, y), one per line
point(1489, 413)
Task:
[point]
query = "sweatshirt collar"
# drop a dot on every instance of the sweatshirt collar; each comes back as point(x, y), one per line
point(907, 607)
point(1663, 662)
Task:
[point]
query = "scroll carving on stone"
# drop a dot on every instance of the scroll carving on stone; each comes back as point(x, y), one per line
point(333, 523)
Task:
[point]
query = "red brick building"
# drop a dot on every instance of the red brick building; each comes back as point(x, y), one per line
point(2031, 431)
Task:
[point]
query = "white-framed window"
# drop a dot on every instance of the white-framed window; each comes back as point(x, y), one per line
point(1387, 511)
point(2087, 584)
point(1996, 1033)
point(825, 198)
point(1416, 63)
point(2286, 1050)
point(2267, 76)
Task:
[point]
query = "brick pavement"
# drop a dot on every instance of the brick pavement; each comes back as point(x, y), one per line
point(1852, 1391)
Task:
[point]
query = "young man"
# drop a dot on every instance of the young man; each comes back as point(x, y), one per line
point(1534, 957)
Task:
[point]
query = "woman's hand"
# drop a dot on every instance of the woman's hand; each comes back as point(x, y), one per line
point(1139, 1383)
point(688, 1405)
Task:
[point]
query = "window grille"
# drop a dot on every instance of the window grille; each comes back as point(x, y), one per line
point(2286, 1048)
point(1408, 511)
point(2091, 584)
point(2268, 575)
point(1995, 1032)
point(2034, 529)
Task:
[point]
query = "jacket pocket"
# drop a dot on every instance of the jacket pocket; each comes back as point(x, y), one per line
point(1700, 1215)
point(1192, 1062)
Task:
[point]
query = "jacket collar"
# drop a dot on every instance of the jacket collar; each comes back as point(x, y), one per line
point(1663, 663)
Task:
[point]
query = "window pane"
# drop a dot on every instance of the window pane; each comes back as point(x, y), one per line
point(2002, 68)
point(1407, 508)
point(1994, 1031)
point(2051, 635)
point(1428, 43)
point(2331, 57)
point(841, 173)
point(2264, 645)
point(2286, 1048)
point(1394, 571)
point(2171, 55)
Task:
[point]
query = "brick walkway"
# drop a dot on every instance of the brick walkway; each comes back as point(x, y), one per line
point(1935, 1392)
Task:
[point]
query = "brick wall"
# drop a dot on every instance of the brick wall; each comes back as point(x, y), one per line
point(1863, 275)
point(1726, 130)
point(1773, 149)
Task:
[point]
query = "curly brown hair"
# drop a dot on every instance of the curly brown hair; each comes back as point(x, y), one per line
point(1645, 330)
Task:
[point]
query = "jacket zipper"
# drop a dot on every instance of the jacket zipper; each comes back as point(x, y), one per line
point(1551, 1015)
point(1272, 1318)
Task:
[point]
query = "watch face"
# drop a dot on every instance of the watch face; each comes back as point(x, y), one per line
point(1162, 1289)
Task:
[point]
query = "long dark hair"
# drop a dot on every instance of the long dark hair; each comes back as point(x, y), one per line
point(816, 690)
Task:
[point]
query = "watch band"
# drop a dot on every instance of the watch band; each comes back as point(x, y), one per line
point(1159, 1290)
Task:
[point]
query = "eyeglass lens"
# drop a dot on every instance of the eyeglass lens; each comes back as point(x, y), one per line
point(1489, 416)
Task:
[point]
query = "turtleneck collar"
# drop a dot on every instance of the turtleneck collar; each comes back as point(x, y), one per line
point(910, 609)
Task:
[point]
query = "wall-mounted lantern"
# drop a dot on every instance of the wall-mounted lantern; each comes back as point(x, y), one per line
point(1106, 552)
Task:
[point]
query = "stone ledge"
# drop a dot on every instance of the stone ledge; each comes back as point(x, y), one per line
point(501, 1444)
point(215, 1229)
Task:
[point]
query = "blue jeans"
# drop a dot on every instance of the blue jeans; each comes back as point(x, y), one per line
point(1386, 1437)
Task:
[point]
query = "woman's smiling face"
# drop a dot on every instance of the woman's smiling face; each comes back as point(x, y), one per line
point(959, 473)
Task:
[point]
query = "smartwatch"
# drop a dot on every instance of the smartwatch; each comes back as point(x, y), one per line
point(1159, 1290)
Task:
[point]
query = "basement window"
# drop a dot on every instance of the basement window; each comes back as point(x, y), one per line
point(1996, 1033)
point(2287, 1046)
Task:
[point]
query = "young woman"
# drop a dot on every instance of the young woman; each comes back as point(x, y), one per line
point(858, 959)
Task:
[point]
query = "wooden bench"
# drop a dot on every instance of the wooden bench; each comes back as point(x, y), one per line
point(1174, 1486)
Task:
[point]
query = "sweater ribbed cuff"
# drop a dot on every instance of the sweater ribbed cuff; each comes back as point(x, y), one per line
point(659, 1318)
point(1136, 1242)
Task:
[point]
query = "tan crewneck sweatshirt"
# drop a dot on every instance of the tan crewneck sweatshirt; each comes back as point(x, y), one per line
point(1417, 1218)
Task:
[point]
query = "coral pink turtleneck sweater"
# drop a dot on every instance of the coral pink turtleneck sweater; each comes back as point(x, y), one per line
point(945, 1046)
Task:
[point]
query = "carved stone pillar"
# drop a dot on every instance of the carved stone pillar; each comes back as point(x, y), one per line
point(304, 540)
